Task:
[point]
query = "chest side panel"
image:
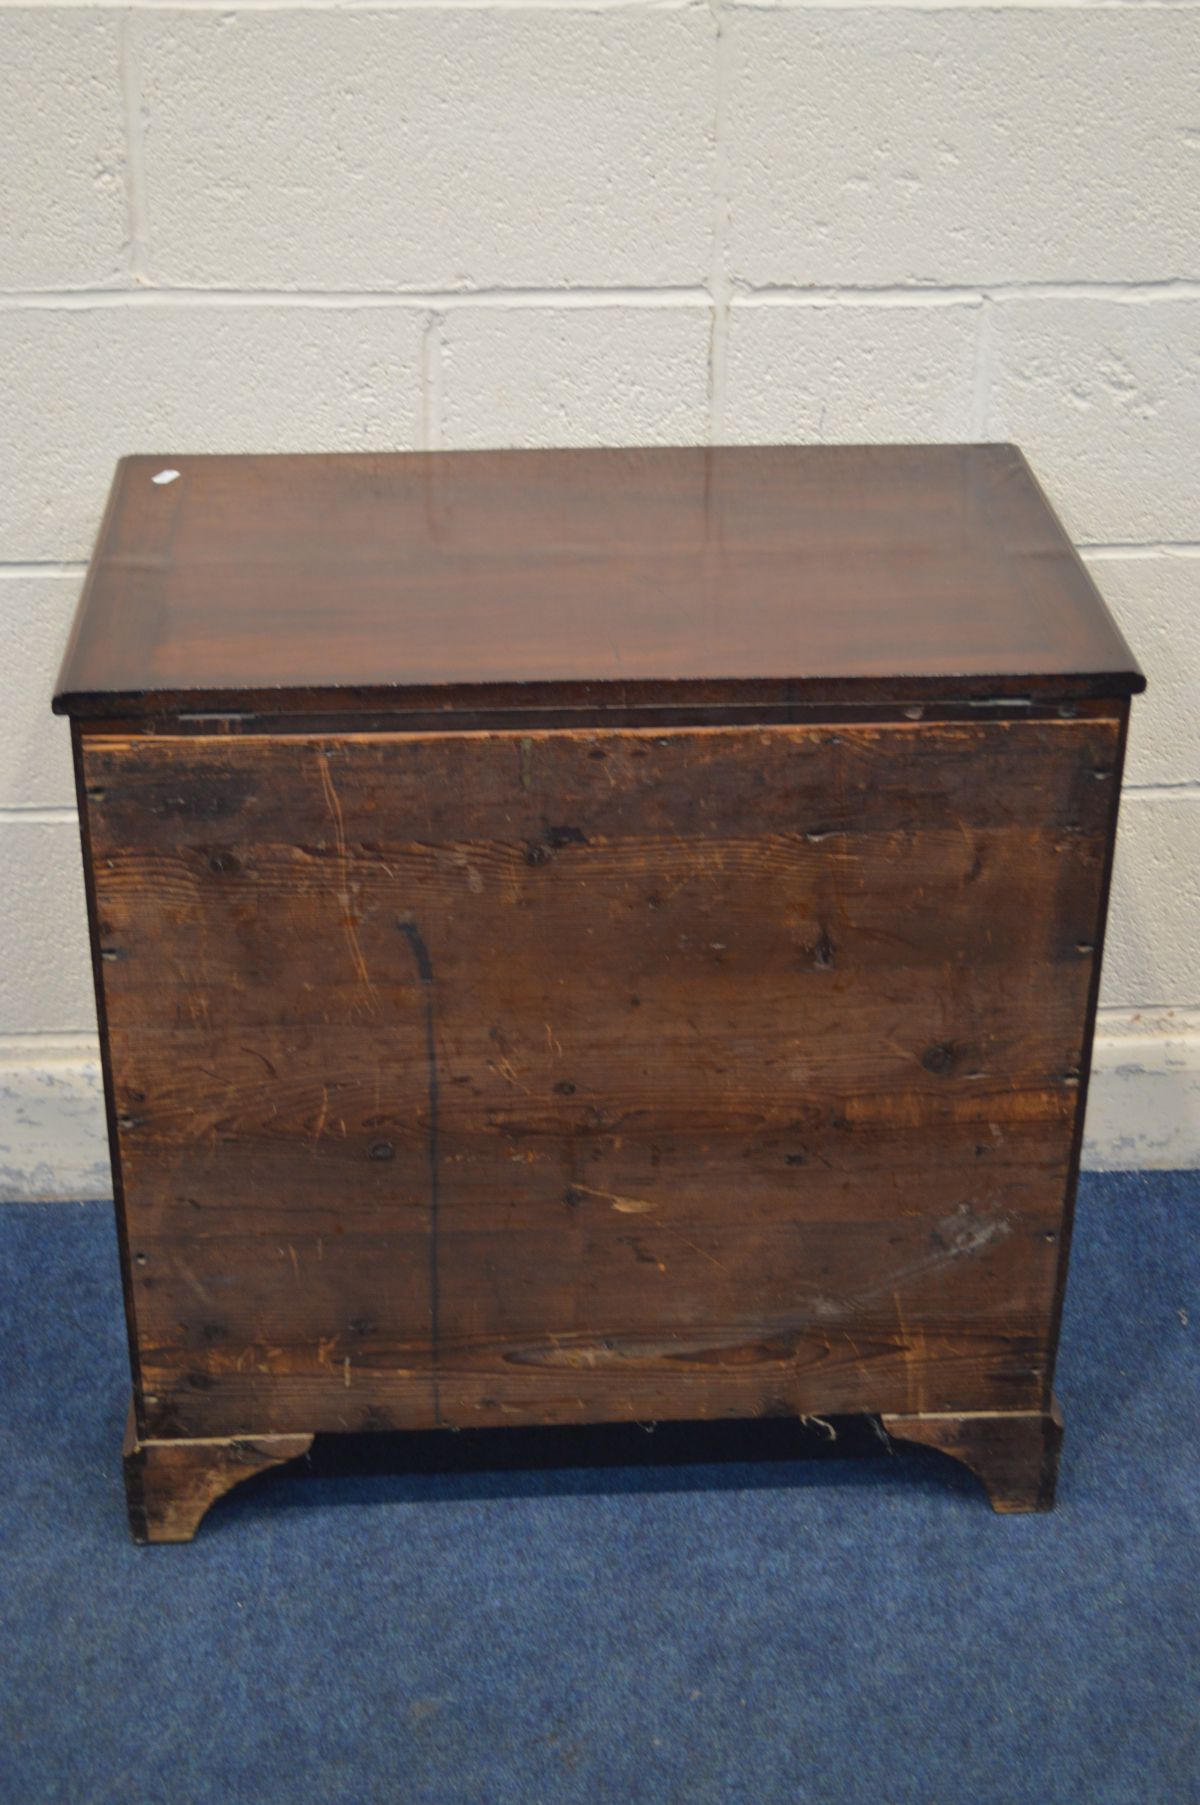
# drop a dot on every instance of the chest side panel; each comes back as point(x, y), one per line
point(496, 1077)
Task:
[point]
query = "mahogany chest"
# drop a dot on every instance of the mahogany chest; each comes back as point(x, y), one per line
point(586, 936)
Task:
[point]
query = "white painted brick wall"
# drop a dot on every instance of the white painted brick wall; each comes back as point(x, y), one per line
point(851, 372)
point(1105, 396)
point(1155, 596)
point(63, 215)
point(266, 226)
point(83, 384)
point(575, 376)
point(45, 977)
point(427, 148)
point(963, 145)
point(1156, 900)
point(36, 611)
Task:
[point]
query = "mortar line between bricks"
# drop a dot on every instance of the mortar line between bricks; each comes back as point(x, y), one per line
point(1167, 1020)
point(432, 388)
point(67, 1043)
point(697, 295)
point(1156, 548)
point(420, 6)
point(719, 285)
point(135, 167)
point(601, 6)
point(15, 816)
point(981, 388)
point(944, 6)
point(1172, 288)
point(49, 567)
point(419, 300)
point(1185, 790)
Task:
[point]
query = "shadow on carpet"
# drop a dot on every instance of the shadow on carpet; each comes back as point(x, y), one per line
point(746, 1629)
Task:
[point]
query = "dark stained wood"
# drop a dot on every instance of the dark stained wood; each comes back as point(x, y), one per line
point(1015, 1455)
point(592, 937)
point(470, 1078)
point(110, 1108)
point(170, 1485)
point(248, 831)
point(542, 579)
point(1089, 1031)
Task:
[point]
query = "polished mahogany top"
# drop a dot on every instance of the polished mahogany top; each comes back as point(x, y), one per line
point(596, 578)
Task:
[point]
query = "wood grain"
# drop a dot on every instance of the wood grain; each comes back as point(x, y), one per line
point(598, 1075)
point(535, 579)
point(1014, 1454)
point(170, 1485)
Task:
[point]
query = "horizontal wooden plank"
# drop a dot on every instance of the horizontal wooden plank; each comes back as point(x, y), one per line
point(852, 1047)
point(443, 788)
point(826, 1374)
point(643, 1282)
point(657, 910)
point(831, 880)
point(589, 1301)
point(208, 1189)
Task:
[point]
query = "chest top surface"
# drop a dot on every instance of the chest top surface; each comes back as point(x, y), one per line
point(560, 578)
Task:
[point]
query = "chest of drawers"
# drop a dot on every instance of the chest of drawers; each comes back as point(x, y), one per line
point(592, 936)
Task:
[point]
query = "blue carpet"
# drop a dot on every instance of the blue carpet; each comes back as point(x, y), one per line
point(760, 1633)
